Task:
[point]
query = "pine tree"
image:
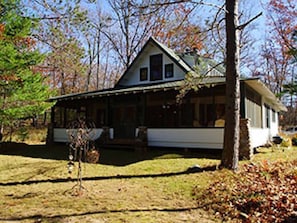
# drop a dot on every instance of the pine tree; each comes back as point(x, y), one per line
point(22, 91)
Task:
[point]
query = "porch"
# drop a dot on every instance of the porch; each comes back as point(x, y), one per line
point(207, 138)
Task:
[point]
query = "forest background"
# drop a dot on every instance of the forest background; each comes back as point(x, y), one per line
point(86, 45)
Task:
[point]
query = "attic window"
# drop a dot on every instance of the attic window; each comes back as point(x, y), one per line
point(156, 65)
point(143, 74)
point(168, 70)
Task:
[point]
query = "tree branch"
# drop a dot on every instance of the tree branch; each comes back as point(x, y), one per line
point(241, 27)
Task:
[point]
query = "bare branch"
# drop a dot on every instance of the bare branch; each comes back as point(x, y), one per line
point(241, 27)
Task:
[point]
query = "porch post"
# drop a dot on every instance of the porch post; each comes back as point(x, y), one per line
point(141, 139)
point(50, 128)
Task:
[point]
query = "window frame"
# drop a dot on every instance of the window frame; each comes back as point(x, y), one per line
point(169, 70)
point(143, 74)
point(156, 67)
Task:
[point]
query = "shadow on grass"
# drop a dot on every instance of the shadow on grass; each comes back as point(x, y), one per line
point(56, 218)
point(108, 156)
point(191, 170)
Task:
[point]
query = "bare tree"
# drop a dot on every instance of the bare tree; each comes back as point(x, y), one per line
point(132, 25)
point(97, 46)
point(58, 37)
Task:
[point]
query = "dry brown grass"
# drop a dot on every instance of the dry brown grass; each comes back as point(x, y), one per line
point(125, 187)
point(155, 190)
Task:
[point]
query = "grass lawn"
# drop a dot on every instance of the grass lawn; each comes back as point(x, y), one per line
point(126, 186)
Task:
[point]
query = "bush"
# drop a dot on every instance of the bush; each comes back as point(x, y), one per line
point(286, 142)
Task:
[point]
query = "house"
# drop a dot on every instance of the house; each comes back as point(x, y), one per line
point(143, 102)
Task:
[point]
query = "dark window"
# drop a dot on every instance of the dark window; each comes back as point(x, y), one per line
point(100, 118)
point(267, 116)
point(168, 70)
point(59, 117)
point(156, 65)
point(143, 74)
point(187, 115)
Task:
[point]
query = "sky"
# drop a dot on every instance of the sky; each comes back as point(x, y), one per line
point(253, 6)
point(257, 28)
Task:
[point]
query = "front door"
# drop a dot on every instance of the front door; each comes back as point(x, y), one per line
point(125, 122)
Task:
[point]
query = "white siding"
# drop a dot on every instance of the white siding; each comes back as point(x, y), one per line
point(259, 137)
point(132, 77)
point(210, 138)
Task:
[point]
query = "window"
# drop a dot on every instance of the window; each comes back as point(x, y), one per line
point(100, 118)
point(267, 116)
point(59, 117)
point(187, 114)
point(143, 74)
point(156, 65)
point(273, 115)
point(168, 70)
point(211, 115)
point(253, 108)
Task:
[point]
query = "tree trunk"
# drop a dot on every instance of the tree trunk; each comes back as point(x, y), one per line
point(231, 135)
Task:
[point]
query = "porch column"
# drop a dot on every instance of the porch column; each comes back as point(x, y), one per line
point(50, 134)
point(50, 128)
point(105, 135)
point(141, 139)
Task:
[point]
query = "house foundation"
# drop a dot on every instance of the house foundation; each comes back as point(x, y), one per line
point(245, 148)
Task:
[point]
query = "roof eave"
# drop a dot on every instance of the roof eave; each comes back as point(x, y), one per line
point(258, 85)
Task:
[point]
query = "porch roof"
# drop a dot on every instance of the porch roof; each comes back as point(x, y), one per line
point(254, 83)
point(176, 85)
point(261, 88)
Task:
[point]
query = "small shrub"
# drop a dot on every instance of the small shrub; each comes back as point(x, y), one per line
point(286, 142)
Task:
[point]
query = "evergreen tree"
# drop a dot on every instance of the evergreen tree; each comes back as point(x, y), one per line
point(22, 92)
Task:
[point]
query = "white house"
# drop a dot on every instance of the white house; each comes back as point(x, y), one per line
point(145, 98)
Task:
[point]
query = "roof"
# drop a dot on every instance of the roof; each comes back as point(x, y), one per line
point(261, 88)
point(254, 83)
point(169, 52)
point(135, 89)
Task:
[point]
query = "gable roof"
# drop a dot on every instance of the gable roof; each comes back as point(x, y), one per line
point(169, 52)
